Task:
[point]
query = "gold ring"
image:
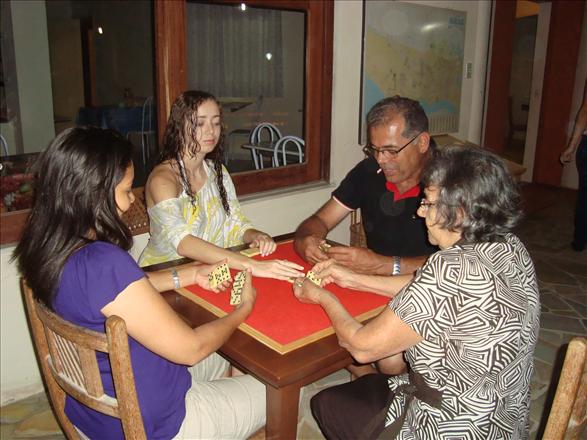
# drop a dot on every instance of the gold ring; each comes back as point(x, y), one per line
point(299, 283)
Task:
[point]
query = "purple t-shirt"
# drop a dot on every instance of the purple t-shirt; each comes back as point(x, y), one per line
point(92, 277)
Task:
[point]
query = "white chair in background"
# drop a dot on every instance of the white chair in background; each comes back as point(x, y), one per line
point(281, 150)
point(257, 137)
point(4, 145)
point(147, 128)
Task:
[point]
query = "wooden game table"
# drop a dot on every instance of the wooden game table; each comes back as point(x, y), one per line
point(283, 374)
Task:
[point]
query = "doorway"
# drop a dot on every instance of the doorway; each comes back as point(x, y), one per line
point(550, 92)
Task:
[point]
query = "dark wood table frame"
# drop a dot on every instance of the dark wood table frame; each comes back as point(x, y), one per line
point(283, 375)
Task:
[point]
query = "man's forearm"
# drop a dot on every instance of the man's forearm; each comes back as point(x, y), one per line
point(312, 226)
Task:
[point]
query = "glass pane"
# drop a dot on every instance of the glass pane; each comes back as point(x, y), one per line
point(252, 60)
point(66, 62)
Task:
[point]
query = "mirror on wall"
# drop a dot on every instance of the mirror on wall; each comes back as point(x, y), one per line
point(253, 60)
point(66, 63)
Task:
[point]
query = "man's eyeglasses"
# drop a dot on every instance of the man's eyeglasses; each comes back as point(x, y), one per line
point(388, 152)
point(425, 204)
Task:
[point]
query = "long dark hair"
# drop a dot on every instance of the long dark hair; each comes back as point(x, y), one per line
point(477, 193)
point(184, 114)
point(73, 204)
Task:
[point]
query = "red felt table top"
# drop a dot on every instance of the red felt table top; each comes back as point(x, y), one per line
point(278, 319)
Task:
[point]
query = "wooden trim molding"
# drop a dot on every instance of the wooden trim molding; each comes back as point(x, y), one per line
point(499, 76)
point(136, 218)
point(171, 59)
point(170, 56)
point(566, 23)
point(11, 226)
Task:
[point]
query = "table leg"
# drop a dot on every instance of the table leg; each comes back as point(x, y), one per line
point(282, 412)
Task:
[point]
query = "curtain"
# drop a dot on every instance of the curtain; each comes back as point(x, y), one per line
point(227, 50)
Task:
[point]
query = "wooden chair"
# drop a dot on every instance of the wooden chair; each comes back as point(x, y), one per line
point(567, 418)
point(67, 355)
point(136, 217)
point(358, 238)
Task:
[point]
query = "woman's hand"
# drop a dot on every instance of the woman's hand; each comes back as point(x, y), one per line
point(264, 242)
point(306, 291)
point(278, 269)
point(330, 272)
point(201, 272)
point(249, 293)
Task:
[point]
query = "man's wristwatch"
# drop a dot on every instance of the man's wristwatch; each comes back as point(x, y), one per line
point(396, 266)
point(175, 277)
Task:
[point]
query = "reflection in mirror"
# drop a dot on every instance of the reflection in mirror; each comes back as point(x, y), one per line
point(66, 63)
point(253, 61)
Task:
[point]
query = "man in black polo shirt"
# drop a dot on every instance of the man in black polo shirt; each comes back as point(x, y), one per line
point(386, 186)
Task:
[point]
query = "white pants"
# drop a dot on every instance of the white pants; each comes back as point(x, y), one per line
point(220, 407)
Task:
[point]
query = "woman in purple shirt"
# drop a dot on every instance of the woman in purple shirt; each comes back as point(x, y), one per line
point(73, 255)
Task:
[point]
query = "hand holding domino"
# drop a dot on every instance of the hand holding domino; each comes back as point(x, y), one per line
point(219, 275)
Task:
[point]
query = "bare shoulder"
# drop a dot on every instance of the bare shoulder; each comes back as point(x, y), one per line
point(162, 184)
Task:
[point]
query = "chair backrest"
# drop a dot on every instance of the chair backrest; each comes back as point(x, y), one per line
point(358, 237)
point(67, 355)
point(281, 150)
point(4, 145)
point(148, 119)
point(137, 218)
point(257, 133)
point(567, 418)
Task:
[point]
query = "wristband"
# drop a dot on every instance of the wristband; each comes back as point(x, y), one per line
point(175, 277)
point(396, 266)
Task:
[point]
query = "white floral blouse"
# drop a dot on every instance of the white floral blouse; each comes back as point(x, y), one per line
point(172, 219)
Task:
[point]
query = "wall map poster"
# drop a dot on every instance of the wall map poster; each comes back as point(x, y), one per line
point(415, 51)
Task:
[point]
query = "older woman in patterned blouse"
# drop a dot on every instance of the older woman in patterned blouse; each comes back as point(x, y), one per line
point(191, 199)
point(459, 336)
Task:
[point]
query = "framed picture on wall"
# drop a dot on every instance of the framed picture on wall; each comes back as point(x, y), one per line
point(416, 51)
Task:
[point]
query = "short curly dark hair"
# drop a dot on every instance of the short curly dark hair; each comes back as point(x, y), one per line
point(477, 194)
point(411, 110)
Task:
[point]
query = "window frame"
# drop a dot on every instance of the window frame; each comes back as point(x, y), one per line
point(171, 68)
point(171, 80)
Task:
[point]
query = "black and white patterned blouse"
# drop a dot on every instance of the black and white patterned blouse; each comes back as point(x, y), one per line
point(477, 308)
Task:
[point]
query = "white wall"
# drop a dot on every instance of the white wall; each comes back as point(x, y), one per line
point(19, 373)
point(31, 48)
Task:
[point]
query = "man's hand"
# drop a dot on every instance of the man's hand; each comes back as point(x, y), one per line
point(359, 259)
point(308, 248)
point(567, 155)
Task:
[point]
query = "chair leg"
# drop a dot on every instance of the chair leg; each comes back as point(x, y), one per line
point(143, 149)
point(255, 158)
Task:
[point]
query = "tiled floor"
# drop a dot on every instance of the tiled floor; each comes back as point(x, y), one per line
point(562, 274)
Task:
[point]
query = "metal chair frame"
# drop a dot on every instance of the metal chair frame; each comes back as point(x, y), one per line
point(281, 150)
point(256, 137)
